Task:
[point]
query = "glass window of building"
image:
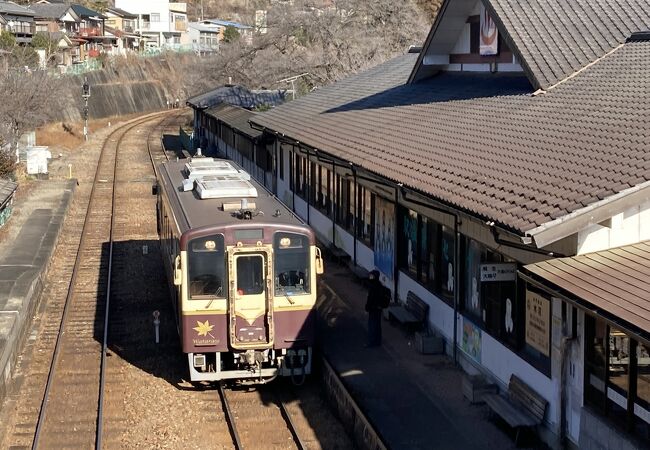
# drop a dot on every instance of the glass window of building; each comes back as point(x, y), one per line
point(472, 279)
point(366, 214)
point(426, 252)
point(447, 263)
point(617, 377)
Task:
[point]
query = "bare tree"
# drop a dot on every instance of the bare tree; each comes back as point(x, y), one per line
point(28, 100)
point(328, 43)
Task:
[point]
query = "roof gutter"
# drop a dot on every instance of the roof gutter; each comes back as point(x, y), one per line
point(592, 214)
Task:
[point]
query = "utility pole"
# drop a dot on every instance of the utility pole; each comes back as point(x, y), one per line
point(85, 94)
point(202, 17)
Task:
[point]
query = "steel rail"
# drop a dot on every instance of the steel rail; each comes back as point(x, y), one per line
point(292, 427)
point(230, 419)
point(102, 372)
point(151, 158)
point(75, 271)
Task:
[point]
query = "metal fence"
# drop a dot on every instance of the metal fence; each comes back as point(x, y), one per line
point(88, 65)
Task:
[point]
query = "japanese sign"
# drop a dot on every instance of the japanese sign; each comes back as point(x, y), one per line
point(498, 272)
point(538, 322)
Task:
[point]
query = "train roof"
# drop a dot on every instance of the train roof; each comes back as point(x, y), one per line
point(223, 185)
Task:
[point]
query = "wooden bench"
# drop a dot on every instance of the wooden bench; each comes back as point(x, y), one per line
point(413, 315)
point(522, 408)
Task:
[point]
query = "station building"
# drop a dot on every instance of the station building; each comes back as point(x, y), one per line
point(501, 174)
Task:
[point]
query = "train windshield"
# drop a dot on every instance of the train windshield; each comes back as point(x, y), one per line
point(291, 253)
point(207, 267)
point(250, 274)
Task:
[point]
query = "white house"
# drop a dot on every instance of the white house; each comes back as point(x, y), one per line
point(203, 36)
point(160, 22)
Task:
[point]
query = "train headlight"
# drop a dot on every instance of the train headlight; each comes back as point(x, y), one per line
point(285, 242)
point(210, 245)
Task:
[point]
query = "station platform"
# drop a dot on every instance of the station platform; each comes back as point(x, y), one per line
point(27, 242)
point(413, 401)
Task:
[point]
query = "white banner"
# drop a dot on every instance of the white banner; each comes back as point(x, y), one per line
point(489, 34)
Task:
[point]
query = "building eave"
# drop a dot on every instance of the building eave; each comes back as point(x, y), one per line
point(594, 213)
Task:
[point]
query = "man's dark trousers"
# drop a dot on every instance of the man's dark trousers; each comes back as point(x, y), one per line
point(374, 327)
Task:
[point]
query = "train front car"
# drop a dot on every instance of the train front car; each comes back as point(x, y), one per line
point(245, 275)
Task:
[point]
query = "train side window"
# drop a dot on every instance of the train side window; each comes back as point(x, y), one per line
point(207, 267)
point(291, 252)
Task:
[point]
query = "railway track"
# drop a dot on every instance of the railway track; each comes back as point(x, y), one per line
point(71, 410)
point(140, 397)
point(260, 421)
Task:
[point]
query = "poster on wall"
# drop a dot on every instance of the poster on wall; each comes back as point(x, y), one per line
point(489, 44)
point(471, 342)
point(538, 322)
point(384, 236)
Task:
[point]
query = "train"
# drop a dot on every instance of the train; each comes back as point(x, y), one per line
point(242, 272)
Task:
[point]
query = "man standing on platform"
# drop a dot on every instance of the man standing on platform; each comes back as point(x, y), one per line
point(377, 296)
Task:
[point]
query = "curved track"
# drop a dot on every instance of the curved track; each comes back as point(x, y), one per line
point(71, 411)
point(110, 385)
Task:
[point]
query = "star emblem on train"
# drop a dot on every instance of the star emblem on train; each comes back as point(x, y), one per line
point(204, 328)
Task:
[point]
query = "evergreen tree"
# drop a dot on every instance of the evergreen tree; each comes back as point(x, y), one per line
point(230, 34)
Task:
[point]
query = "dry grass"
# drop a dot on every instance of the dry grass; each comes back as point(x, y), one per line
point(66, 136)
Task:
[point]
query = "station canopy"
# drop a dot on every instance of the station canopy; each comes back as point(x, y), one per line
point(615, 283)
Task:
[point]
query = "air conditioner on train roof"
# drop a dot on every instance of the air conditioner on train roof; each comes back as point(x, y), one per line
point(202, 167)
point(214, 178)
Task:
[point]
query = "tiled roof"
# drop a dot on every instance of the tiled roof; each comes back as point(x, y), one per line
point(235, 117)
point(122, 13)
point(13, 8)
point(519, 160)
point(85, 13)
point(47, 11)
point(237, 96)
point(617, 281)
point(226, 23)
point(201, 26)
point(556, 38)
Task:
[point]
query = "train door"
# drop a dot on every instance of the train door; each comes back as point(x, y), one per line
point(250, 306)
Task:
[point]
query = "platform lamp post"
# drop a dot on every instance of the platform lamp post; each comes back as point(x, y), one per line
point(85, 94)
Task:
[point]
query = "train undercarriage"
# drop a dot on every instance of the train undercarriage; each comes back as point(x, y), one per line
point(251, 366)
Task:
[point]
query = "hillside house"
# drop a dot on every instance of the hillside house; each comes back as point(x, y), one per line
point(18, 20)
point(161, 23)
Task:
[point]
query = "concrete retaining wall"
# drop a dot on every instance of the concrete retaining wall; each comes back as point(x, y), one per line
point(138, 87)
point(360, 430)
